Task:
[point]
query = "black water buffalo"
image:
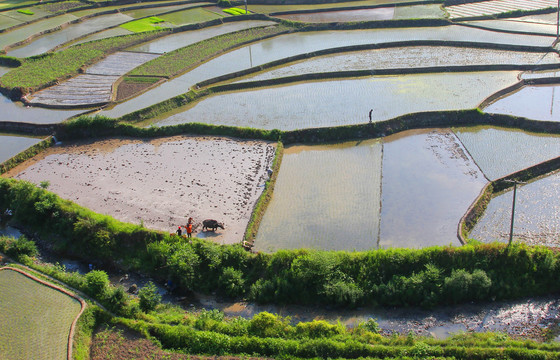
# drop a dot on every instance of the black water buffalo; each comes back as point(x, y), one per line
point(210, 224)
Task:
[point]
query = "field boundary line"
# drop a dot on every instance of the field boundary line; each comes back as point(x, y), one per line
point(83, 304)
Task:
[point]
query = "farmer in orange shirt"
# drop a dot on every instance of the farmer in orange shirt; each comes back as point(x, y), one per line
point(189, 227)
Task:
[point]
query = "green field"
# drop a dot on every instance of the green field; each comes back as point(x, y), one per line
point(36, 319)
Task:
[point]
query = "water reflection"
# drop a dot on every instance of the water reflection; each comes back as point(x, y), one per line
point(429, 181)
point(500, 151)
point(24, 32)
point(12, 145)
point(17, 112)
point(51, 40)
point(532, 102)
point(325, 197)
point(537, 209)
point(343, 15)
point(343, 102)
point(298, 43)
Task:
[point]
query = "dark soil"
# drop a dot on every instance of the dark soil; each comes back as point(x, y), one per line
point(122, 343)
point(126, 90)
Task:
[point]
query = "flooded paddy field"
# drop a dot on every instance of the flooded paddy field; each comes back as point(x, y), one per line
point(17, 112)
point(192, 16)
point(10, 145)
point(532, 102)
point(49, 41)
point(278, 8)
point(405, 190)
point(500, 151)
point(151, 11)
point(24, 32)
point(325, 197)
point(536, 214)
point(385, 13)
point(159, 182)
point(299, 43)
point(429, 181)
point(406, 57)
point(182, 39)
point(343, 102)
point(517, 25)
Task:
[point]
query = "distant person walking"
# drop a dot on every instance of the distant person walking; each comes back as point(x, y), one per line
point(370, 113)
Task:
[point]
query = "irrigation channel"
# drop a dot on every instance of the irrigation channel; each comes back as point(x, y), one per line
point(408, 189)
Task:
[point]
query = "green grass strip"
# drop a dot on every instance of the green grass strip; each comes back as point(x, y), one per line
point(180, 60)
point(235, 11)
point(43, 71)
point(26, 12)
point(143, 25)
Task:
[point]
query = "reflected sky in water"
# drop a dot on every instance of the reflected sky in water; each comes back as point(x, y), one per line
point(532, 102)
point(537, 214)
point(343, 102)
point(12, 145)
point(500, 151)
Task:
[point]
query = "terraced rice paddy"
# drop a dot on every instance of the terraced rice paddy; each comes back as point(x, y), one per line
point(496, 7)
point(13, 145)
point(49, 41)
point(407, 58)
point(27, 31)
point(500, 152)
point(536, 214)
point(159, 182)
point(182, 39)
point(395, 162)
point(95, 86)
point(300, 43)
point(532, 102)
point(344, 102)
point(36, 319)
point(407, 190)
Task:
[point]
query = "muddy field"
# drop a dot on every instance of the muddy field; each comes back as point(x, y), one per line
point(160, 182)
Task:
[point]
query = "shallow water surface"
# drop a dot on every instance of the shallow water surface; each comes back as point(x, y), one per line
point(12, 145)
point(182, 39)
point(24, 32)
point(537, 214)
point(17, 112)
point(385, 13)
point(343, 102)
point(429, 181)
point(49, 41)
point(303, 42)
point(500, 151)
point(404, 57)
point(326, 197)
point(532, 102)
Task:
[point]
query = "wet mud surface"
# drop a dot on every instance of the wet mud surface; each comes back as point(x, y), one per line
point(160, 182)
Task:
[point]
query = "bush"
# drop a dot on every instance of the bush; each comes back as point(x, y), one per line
point(231, 282)
point(97, 284)
point(18, 248)
point(149, 297)
point(265, 324)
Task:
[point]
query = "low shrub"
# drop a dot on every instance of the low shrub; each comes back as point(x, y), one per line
point(149, 297)
point(97, 284)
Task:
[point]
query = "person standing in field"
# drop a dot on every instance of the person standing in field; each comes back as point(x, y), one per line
point(370, 113)
point(189, 227)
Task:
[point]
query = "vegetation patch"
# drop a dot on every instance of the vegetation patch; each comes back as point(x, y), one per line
point(265, 198)
point(180, 60)
point(235, 11)
point(36, 318)
point(61, 6)
point(45, 70)
point(393, 277)
point(26, 12)
point(143, 25)
point(131, 86)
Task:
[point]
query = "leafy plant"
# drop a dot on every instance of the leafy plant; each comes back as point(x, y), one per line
point(149, 297)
